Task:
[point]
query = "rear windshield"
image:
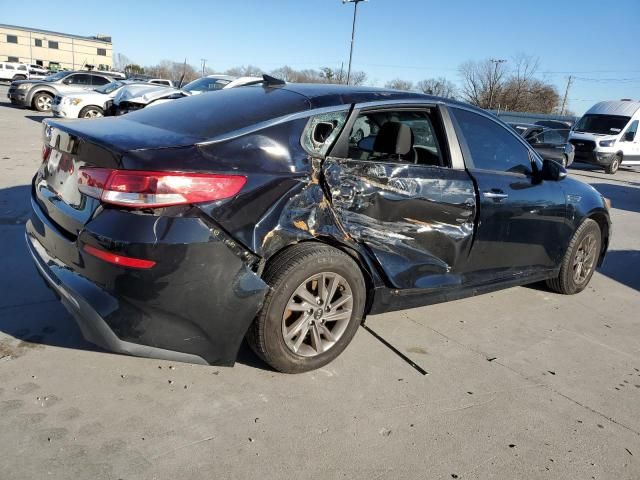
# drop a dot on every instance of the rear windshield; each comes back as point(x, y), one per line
point(221, 112)
point(603, 124)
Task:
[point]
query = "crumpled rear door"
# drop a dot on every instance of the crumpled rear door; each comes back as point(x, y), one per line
point(416, 220)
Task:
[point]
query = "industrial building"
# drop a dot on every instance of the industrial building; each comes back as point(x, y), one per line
point(54, 50)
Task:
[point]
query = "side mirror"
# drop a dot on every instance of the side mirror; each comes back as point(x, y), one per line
point(629, 136)
point(553, 171)
point(66, 81)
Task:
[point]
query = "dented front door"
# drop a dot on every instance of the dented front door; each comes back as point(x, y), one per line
point(416, 220)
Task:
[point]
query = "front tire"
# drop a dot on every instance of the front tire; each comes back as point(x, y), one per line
point(614, 165)
point(580, 260)
point(312, 311)
point(42, 102)
point(91, 111)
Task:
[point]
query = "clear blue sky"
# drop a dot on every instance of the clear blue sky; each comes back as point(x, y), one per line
point(411, 39)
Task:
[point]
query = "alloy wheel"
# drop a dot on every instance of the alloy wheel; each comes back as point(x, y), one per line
point(317, 314)
point(584, 259)
point(44, 102)
point(92, 114)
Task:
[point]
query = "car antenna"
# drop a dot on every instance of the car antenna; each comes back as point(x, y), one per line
point(270, 81)
point(184, 72)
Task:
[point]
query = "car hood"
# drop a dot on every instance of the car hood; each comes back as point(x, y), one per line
point(147, 95)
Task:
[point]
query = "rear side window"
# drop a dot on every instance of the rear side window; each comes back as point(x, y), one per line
point(322, 130)
point(98, 81)
point(492, 146)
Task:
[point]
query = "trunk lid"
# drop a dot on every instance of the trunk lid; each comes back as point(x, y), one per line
point(70, 145)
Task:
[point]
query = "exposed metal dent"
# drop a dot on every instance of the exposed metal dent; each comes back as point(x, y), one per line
point(417, 221)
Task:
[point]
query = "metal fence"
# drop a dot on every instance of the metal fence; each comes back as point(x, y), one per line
point(528, 117)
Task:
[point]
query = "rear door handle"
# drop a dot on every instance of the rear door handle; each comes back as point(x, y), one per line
point(495, 195)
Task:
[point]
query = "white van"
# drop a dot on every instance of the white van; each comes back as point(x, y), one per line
point(607, 135)
point(10, 71)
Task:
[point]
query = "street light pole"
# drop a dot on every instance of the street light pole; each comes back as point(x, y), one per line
point(204, 61)
point(353, 32)
point(494, 80)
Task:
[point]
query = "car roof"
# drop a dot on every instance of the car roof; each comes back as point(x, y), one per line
point(329, 95)
point(625, 108)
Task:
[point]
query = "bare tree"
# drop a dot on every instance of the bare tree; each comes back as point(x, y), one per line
point(399, 84)
point(245, 71)
point(482, 81)
point(440, 87)
point(173, 71)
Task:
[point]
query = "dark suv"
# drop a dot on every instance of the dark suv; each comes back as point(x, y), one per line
point(38, 94)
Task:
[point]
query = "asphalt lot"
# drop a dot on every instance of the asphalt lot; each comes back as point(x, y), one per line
point(521, 384)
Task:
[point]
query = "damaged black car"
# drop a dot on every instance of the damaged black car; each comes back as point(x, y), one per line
point(285, 214)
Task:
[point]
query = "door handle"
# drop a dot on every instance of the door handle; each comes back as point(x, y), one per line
point(494, 195)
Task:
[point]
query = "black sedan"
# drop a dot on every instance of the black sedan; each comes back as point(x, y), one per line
point(260, 212)
point(550, 143)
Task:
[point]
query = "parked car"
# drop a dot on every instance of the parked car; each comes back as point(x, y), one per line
point(607, 135)
point(209, 83)
point(555, 124)
point(90, 104)
point(178, 230)
point(550, 143)
point(39, 94)
point(131, 98)
point(10, 71)
point(37, 71)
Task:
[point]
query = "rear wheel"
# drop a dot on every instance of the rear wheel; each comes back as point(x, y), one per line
point(42, 102)
point(312, 311)
point(580, 260)
point(614, 165)
point(91, 112)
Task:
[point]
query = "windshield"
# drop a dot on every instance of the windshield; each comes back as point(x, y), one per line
point(55, 76)
point(205, 84)
point(109, 87)
point(601, 124)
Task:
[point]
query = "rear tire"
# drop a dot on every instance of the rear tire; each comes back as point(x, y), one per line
point(91, 111)
point(579, 261)
point(320, 339)
point(42, 102)
point(614, 165)
point(19, 77)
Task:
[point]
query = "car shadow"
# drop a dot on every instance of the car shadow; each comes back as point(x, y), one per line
point(29, 311)
point(623, 267)
point(623, 197)
point(36, 118)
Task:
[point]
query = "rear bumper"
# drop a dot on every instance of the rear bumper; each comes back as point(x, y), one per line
point(181, 313)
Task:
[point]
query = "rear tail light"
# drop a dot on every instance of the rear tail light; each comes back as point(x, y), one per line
point(142, 189)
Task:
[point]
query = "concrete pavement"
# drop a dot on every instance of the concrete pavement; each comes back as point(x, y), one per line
point(521, 383)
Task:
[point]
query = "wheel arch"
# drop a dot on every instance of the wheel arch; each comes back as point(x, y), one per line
point(368, 270)
point(36, 92)
point(602, 219)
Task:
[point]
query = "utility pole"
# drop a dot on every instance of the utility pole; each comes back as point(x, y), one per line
point(353, 32)
point(204, 62)
point(566, 94)
point(494, 80)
